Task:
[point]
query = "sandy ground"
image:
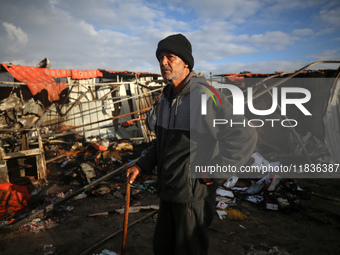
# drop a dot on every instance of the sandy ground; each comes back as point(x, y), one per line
point(313, 229)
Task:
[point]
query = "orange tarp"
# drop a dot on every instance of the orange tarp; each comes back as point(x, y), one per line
point(12, 198)
point(38, 79)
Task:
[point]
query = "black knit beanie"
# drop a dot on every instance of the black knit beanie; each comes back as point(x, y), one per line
point(179, 45)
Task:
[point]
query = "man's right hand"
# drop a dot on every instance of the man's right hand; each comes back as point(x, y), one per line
point(132, 173)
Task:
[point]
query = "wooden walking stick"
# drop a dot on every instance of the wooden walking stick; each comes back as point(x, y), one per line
point(126, 215)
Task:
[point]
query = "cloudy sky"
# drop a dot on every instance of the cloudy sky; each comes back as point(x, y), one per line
point(227, 35)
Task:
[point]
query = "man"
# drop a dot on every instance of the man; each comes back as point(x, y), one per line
point(187, 205)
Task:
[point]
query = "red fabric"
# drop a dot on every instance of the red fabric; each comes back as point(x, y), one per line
point(12, 197)
point(129, 123)
point(98, 147)
point(239, 79)
point(38, 79)
point(236, 79)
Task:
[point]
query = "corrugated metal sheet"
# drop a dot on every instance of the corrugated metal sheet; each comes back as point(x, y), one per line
point(133, 131)
point(90, 110)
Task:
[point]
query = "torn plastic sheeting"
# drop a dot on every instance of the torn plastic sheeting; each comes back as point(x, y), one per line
point(224, 193)
point(224, 199)
point(13, 197)
point(239, 188)
point(331, 122)
point(231, 182)
point(221, 214)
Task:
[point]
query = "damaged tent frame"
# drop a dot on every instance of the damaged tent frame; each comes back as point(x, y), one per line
point(268, 88)
point(64, 116)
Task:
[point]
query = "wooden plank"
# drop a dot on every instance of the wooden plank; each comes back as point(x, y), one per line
point(41, 164)
point(55, 158)
point(3, 171)
point(20, 154)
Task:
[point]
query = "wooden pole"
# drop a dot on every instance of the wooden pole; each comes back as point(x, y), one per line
point(126, 216)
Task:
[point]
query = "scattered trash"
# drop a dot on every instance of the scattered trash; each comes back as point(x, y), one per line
point(224, 199)
point(274, 181)
point(38, 225)
point(224, 193)
point(242, 226)
point(271, 206)
point(239, 188)
point(88, 169)
point(255, 188)
point(221, 205)
point(69, 208)
point(262, 249)
point(49, 249)
point(80, 196)
point(221, 214)
point(255, 199)
point(148, 186)
point(230, 183)
point(102, 189)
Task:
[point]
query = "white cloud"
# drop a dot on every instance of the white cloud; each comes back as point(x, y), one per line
point(235, 10)
point(331, 16)
point(276, 40)
point(333, 54)
point(303, 32)
point(15, 33)
point(108, 14)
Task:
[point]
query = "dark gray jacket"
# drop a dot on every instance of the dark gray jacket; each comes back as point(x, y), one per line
point(170, 152)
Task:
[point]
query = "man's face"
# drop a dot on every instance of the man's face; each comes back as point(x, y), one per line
point(172, 67)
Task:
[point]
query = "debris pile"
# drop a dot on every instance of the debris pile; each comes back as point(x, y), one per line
point(83, 164)
point(270, 192)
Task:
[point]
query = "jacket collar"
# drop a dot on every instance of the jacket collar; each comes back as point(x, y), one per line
point(183, 91)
